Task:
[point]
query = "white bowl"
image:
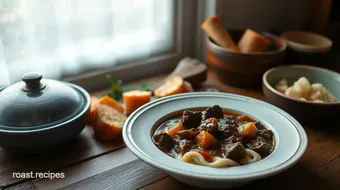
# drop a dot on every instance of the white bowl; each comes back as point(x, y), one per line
point(291, 139)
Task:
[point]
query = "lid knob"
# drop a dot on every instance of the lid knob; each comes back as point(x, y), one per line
point(32, 82)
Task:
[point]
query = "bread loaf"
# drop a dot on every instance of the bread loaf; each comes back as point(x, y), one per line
point(216, 31)
point(108, 122)
point(253, 42)
point(174, 85)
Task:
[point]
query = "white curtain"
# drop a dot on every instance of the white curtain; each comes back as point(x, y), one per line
point(58, 37)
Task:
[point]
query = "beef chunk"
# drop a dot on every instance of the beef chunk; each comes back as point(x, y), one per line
point(215, 111)
point(191, 119)
point(187, 134)
point(261, 146)
point(259, 126)
point(232, 139)
point(266, 134)
point(184, 146)
point(210, 125)
point(215, 152)
point(235, 151)
point(227, 126)
point(164, 140)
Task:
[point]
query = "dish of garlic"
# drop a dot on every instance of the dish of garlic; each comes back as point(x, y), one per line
point(302, 89)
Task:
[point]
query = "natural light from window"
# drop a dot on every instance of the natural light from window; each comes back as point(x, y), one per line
point(71, 36)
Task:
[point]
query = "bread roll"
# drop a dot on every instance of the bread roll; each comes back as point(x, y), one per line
point(215, 29)
point(111, 102)
point(94, 103)
point(108, 122)
point(174, 85)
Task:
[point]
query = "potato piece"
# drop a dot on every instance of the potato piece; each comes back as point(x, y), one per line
point(174, 85)
point(282, 85)
point(295, 92)
point(94, 103)
point(305, 85)
point(247, 130)
point(111, 102)
point(108, 122)
point(173, 130)
point(329, 96)
point(206, 140)
point(300, 89)
point(135, 99)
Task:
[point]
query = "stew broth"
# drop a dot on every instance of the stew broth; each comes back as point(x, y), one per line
point(213, 133)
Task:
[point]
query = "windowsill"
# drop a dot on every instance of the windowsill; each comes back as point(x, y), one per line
point(212, 81)
point(153, 81)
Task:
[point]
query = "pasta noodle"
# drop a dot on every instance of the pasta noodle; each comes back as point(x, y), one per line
point(252, 157)
point(194, 157)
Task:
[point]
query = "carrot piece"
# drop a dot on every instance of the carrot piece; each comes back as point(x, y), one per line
point(94, 103)
point(206, 140)
point(247, 130)
point(205, 155)
point(108, 122)
point(135, 99)
point(174, 85)
point(173, 130)
point(244, 117)
point(111, 102)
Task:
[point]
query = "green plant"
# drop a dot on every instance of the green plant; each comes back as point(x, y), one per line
point(117, 89)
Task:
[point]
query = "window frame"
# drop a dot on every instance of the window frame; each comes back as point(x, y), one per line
point(184, 37)
point(205, 9)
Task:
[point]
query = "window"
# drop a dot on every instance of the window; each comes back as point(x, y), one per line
point(79, 39)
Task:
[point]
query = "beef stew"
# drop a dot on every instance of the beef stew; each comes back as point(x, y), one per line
point(214, 137)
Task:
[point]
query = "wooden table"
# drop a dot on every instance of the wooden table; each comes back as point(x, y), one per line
point(91, 164)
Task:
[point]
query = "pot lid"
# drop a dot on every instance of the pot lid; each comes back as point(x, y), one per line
point(37, 102)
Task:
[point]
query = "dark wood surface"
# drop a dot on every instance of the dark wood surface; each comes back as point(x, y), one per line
point(89, 163)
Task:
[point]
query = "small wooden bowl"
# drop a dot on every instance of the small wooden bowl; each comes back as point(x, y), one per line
point(306, 48)
point(304, 111)
point(244, 69)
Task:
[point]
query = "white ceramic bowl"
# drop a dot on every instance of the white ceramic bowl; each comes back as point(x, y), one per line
point(291, 139)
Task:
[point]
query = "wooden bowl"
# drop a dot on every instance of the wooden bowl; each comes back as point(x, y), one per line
point(306, 48)
point(304, 111)
point(244, 69)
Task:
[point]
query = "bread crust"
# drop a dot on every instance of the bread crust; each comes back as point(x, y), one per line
point(108, 122)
